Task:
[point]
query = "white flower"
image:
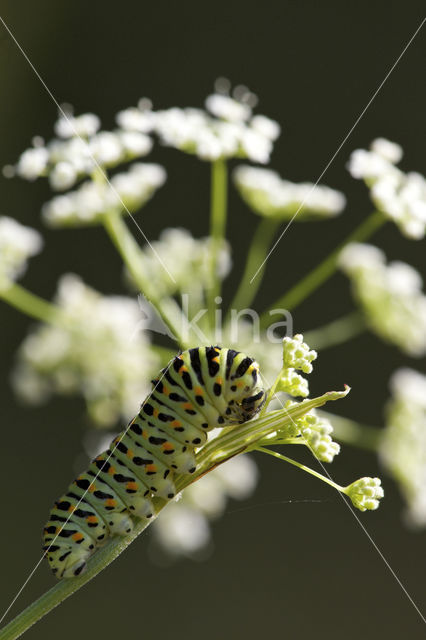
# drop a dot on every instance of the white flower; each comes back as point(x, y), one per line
point(17, 244)
point(85, 125)
point(183, 256)
point(225, 107)
point(86, 205)
point(106, 148)
point(229, 132)
point(78, 150)
point(271, 196)
point(317, 430)
point(391, 151)
point(369, 165)
point(390, 296)
point(297, 355)
point(63, 176)
point(134, 119)
point(135, 144)
point(32, 163)
point(365, 493)
point(403, 444)
point(183, 527)
point(266, 127)
point(293, 383)
point(103, 355)
point(400, 196)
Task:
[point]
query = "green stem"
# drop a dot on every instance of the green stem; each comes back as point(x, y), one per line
point(337, 331)
point(326, 268)
point(218, 210)
point(130, 252)
point(33, 306)
point(257, 253)
point(271, 452)
point(238, 440)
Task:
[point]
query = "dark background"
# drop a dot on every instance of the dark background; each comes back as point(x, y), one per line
point(298, 570)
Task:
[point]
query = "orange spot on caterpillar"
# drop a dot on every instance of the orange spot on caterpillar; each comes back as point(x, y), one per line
point(110, 502)
point(219, 380)
point(77, 536)
point(92, 519)
point(111, 470)
point(130, 453)
point(71, 508)
point(167, 446)
point(156, 412)
point(166, 390)
point(145, 434)
point(91, 488)
point(183, 369)
point(187, 405)
point(133, 486)
point(151, 468)
point(198, 391)
point(176, 423)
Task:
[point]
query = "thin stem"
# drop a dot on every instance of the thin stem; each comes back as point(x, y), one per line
point(218, 211)
point(130, 252)
point(271, 452)
point(327, 267)
point(337, 331)
point(256, 255)
point(33, 306)
point(242, 438)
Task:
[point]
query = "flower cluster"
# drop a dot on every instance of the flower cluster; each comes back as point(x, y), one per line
point(269, 195)
point(79, 150)
point(17, 244)
point(296, 356)
point(365, 493)
point(400, 196)
point(100, 353)
point(390, 296)
point(127, 191)
point(227, 129)
point(316, 430)
point(403, 445)
point(183, 528)
point(183, 256)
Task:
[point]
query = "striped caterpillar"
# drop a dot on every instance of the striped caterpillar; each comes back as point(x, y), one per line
point(199, 390)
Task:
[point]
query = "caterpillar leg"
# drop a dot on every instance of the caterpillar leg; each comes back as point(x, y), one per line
point(67, 549)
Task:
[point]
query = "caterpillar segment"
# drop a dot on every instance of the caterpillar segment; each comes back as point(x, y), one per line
point(201, 389)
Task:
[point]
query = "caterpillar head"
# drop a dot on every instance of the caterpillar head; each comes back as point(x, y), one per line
point(246, 394)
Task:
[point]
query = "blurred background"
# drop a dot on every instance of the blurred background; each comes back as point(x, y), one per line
point(299, 569)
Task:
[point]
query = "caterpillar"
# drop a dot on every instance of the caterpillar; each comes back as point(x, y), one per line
point(200, 389)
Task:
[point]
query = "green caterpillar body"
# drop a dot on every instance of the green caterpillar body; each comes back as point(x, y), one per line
point(200, 389)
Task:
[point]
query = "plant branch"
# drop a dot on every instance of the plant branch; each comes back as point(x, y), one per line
point(327, 267)
point(238, 440)
point(129, 250)
point(271, 452)
point(256, 255)
point(337, 331)
point(218, 211)
point(33, 306)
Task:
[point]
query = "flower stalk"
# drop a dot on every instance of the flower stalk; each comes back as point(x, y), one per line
point(261, 243)
point(326, 268)
point(33, 306)
point(218, 214)
point(129, 250)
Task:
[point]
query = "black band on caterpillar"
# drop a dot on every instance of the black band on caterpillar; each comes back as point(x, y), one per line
point(200, 389)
